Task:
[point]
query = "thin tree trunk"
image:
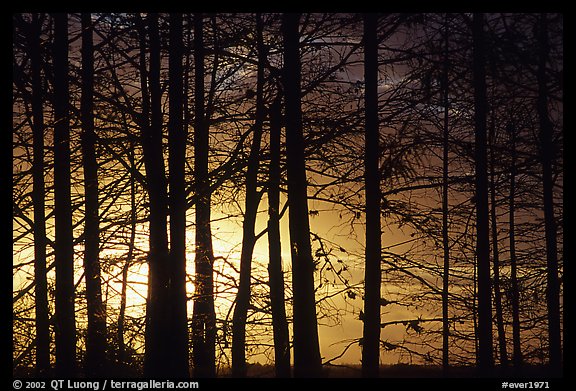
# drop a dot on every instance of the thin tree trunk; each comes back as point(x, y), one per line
point(475, 306)
point(307, 361)
point(177, 162)
point(547, 158)
point(65, 327)
point(251, 209)
point(122, 358)
point(485, 353)
point(495, 255)
point(279, 322)
point(517, 349)
point(372, 276)
point(95, 362)
point(38, 192)
point(144, 132)
point(445, 210)
point(204, 317)
point(158, 354)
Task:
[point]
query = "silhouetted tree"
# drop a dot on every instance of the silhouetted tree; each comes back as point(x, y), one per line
point(485, 349)
point(65, 327)
point(38, 193)
point(34, 32)
point(250, 214)
point(495, 248)
point(372, 271)
point(516, 342)
point(96, 333)
point(445, 202)
point(546, 132)
point(307, 361)
point(203, 317)
point(275, 272)
point(122, 356)
point(177, 161)
point(158, 354)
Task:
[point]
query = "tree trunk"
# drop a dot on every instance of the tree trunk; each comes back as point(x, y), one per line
point(279, 322)
point(38, 192)
point(204, 317)
point(517, 358)
point(485, 353)
point(95, 361)
point(475, 306)
point(547, 158)
point(177, 162)
point(157, 359)
point(307, 361)
point(144, 132)
point(445, 210)
point(251, 209)
point(495, 254)
point(372, 276)
point(122, 359)
point(65, 327)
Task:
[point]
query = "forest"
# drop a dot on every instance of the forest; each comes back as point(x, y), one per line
point(306, 195)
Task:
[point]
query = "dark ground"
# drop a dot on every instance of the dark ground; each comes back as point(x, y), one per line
point(399, 371)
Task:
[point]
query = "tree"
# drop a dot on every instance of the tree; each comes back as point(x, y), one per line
point(445, 202)
point(307, 361)
point(203, 317)
point(38, 128)
point(96, 334)
point(158, 355)
point(177, 161)
point(122, 356)
point(546, 131)
point(516, 342)
point(372, 273)
point(65, 328)
point(250, 214)
point(495, 248)
point(275, 272)
point(485, 352)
